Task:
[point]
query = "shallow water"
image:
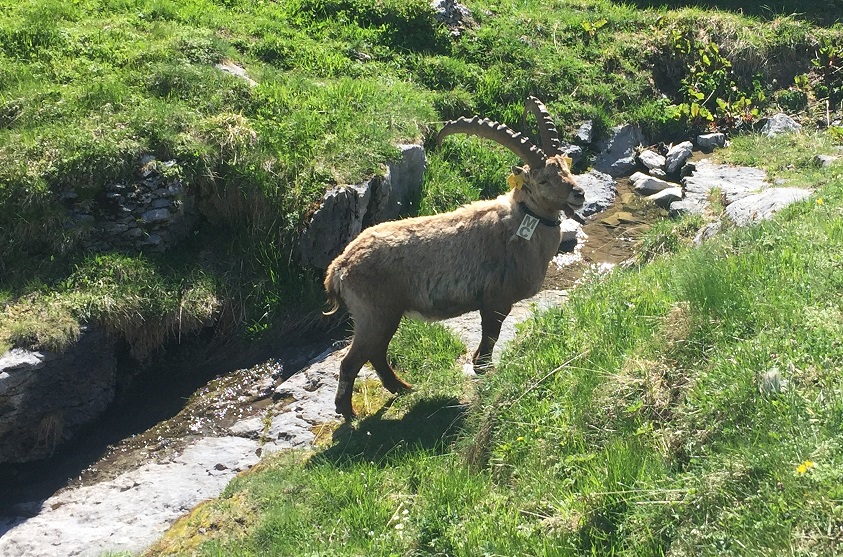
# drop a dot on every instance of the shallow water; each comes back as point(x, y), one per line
point(611, 238)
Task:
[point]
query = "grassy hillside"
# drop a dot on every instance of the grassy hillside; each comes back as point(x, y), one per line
point(88, 87)
point(690, 406)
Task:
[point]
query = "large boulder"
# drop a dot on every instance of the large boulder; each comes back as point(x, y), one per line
point(763, 205)
point(338, 220)
point(744, 190)
point(346, 210)
point(600, 191)
point(617, 153)
point(780, 123)
point(46, 397)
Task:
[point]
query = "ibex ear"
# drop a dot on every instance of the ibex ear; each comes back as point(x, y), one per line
point(516, 179)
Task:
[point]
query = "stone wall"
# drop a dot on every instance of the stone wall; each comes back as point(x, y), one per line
point(46, 397)
point(151, 212)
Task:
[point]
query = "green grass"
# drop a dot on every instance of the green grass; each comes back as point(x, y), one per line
point(88, 87)
point(633, 420)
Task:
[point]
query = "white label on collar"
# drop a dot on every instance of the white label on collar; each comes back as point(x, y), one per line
point(528, 226)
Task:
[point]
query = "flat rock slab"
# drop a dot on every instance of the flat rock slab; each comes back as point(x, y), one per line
point(761, 206)
point(467, 327)
point(131, 511)
point(744, 190)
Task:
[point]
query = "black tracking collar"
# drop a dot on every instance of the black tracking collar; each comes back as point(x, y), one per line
point(544, 221)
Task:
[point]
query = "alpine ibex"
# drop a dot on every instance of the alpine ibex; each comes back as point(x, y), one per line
point(484, 256)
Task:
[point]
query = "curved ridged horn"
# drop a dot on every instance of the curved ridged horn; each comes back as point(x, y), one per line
point(516, 142)
point(549, 134)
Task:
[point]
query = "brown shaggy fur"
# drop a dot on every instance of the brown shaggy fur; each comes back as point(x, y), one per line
point(446, 265)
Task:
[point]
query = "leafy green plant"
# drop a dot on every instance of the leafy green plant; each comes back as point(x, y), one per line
point(709, 94)
point(828, 65)
point(592, 27)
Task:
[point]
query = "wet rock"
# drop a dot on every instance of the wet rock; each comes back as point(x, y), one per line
point(617, 153)
point(709, 141)
point(763, 205)
point(677, 155)
point(132, 511)
point(600, 191)
point(46, 397)
point(665, 197)
point(780, 123)
point(651, 159)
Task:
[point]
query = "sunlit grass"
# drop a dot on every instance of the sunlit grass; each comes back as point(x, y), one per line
point(685, 407)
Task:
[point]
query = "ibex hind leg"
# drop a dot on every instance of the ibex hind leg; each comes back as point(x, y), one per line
point(371, 339)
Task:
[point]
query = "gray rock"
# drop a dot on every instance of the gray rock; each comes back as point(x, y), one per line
point(648, 185)
point(574, 151)
point(780, 123)
point(130, 512)
point(707, 232)
point(677, 155)
point(400, 188)
point(585, 133)
point(230, 67)
point(346, 210)
point(337, 221)
point(571, 230)
point(46, 397)
point(708, 141)
point(600, 191)
point(156, 216)
point(665, 197)
point(651, 159)
point(733, 182)
point(658, 173)
point(161, 203)
point(760, 206)
point(118, 228)
point(824, 161)
point(617, 153)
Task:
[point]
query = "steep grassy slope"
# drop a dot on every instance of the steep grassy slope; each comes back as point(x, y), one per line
point(88, 87)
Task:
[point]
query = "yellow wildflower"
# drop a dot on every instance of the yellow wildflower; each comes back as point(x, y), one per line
point(804, 467)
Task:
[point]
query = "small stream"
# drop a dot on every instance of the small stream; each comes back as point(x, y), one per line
point(176, 404)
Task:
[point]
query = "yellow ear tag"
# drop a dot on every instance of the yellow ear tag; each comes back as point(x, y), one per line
point(515, 182)
point(569, 161)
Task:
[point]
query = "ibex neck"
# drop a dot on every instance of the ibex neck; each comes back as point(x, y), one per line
point(543, 220)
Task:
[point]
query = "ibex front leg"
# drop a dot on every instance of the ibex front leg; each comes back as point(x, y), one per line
point(491, 320)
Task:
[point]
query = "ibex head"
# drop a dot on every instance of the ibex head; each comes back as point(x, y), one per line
point(546, 179)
